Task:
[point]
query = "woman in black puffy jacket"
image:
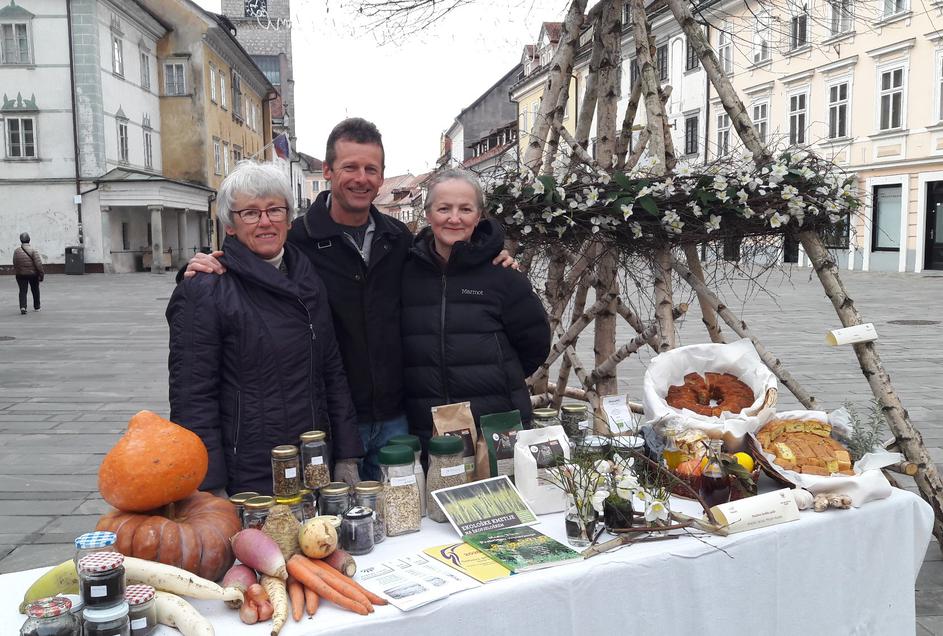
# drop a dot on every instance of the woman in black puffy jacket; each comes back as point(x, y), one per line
point(472, 331)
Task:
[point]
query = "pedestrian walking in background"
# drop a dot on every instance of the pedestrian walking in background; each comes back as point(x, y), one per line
point(28, 268)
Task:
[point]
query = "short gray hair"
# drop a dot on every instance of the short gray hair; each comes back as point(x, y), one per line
point(455, 174)
point(254, 179)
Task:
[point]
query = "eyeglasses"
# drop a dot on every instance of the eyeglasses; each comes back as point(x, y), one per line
point(254, 215)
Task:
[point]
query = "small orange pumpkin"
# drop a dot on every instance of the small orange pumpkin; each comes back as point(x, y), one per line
point(155, 463)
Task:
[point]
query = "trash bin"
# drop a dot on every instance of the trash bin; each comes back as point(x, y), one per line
point(75, 259)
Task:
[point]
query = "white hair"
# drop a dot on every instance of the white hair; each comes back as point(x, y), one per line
point(253, 179)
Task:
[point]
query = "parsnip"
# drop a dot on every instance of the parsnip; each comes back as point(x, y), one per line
point(279, 597)
point(173, 611)
point(177, 581)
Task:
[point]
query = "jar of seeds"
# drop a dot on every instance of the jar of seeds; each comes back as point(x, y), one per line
point(257, 511)
point(309, 504)
point(286, 476)
point(401, 506)
point(334, 499)
point(575, 420)
point(315, 459)
point(545, 417)
point(446, 469)
point(368, 494)
point(413, 442)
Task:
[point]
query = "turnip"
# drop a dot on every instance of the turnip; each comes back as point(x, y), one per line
point(239, 577)
point(317, 538)
point(257, 550)
point(342, 562)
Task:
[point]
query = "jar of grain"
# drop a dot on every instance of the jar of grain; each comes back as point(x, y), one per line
point(413, 442)
point(401, 500)
point(286, 476)
point(315, 459)
point(257, 511)
point(446, 469)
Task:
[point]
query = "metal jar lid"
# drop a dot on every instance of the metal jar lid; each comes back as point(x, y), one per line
point(241, 497)
point(358, 512)
point(285, 451)
point(262, 502)
point(313, 436)
point(573, 408)
point(98, 562)
point(368, 488)
point(138, 594)
point(545, 414)
point(49, 607)
point(97, 539)
point(289, 501)
point(335, 488)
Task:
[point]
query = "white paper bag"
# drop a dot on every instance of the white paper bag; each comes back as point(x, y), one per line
point(533, 453)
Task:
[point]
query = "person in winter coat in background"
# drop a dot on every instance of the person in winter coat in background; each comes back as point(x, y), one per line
point(472, 331)
point(253, 358)
point(28, 269)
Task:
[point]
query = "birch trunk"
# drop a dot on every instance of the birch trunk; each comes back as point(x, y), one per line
point(561, 68)
point(609, 365)
point(654, 110)
point(584, 120)
point(628, 122)
point(604, 335)
point(708, 316)
point(909, 440)
point(563, 375)
point(632, 318)
point(610, 82)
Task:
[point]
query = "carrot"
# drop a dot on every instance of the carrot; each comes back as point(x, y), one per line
point(311, 600)
point(331, 572)
point(298, 567)
point(297, 596)
point(341, 583)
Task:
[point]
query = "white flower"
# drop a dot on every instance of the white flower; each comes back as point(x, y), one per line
point(595, 229)
point(560, 231)
point(742, 196)
point(561, 192)
point(626, 211)
point(834, 218)
point(777, 219)
point(573, 203)
point(586, 179)
point(720, 183)
point(656, 511)
point(592, 195)
point(627, 486)
point(789, 192)
point(499, 210)
point(604, 178)
point(713, 223)
point(518, 216)
point(538, 187)
point(572, 178)
point(799, 157)
point(747, 212)
point(806, 173)
point(603, 467)
point(777, 172)
point(643, 192)
point(684, 170)
point(598, 498)
point(695, 208)
point(636, 229)
point(670, 217)
point(527, 229)
point(723, 197)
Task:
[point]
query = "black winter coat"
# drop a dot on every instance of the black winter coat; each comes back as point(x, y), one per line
point(365, 303)
point(471, 331)
point(254, 363)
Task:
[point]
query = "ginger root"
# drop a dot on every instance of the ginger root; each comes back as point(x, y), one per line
point(835, 500)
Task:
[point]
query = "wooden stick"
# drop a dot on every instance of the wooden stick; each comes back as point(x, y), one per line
point(667, 337)
point(592, 396)
point(628, 313)
point(604, 329)
point(633, 345)
point(740, 328)
point(627, 538)
point(708, 317)
point(566, 338)
point(628, 122)
point(638, 150)
point(563, 375)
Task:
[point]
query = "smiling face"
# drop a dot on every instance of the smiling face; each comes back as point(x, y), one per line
point(453, 214)
point(265, 238)
point(356, 176)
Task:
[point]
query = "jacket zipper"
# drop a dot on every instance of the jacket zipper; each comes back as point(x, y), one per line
point(445, 380)
point(311, 392)
point(504, 371)
point(235, 439)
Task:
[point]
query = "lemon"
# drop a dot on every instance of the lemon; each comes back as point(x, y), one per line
point(744, 460)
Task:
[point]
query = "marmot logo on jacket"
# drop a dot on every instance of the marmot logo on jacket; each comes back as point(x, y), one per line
point(473, 292)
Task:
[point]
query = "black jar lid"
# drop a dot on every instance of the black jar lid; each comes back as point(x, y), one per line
point(446, 445)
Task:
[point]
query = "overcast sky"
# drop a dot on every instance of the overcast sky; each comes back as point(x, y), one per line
point(412, 89)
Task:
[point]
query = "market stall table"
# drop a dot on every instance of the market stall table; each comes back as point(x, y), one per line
point(837, 572)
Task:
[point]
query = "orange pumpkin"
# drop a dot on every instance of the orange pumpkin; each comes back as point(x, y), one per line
point(192, 534)
point(155, 463)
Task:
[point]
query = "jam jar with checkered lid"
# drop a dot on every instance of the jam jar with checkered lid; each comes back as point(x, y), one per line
point(50, 617)
point(142, 610)
point(101, 579)
point(91, 542)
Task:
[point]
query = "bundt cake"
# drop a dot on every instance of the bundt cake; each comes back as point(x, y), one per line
point(710, 395)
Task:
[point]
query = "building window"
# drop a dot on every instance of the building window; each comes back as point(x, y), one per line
point(797, 118)
point(690, 135)
point(222, 89)
point(117, 55)
point(315, 187)
point(175, 79)
point(661, 62)
point(838, 110)
point(212, 83)
point(798, 32)
point(723, 134)
point(21, 137)
point(145, 71)
point(885, 220)
point(534, 113)
point(125, 236)
point(217, 157)
point(148, 149)
point(690, 57)
point(836, 235)
point(939, 86)
point(725, 50)
point(626, 14)
point(893, 7)
point(761, 37)
point(237, 99)
point(892, 99)
point(840, 16)
point(122, 141)
point(14, 43)
point(761, 119)
point(270, 67)
point(236, 154)
point(225, 158)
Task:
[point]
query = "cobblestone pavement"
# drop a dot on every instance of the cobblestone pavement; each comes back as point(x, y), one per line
point(72, 374)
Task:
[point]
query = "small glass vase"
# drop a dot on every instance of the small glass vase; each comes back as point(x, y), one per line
point(580, 524)
point(617, 515)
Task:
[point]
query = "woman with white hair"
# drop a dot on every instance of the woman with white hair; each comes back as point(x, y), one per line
point(253, 358)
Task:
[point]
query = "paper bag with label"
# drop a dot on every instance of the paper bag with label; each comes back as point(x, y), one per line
point(494, 455)
point(537, 451)
point(457, 420)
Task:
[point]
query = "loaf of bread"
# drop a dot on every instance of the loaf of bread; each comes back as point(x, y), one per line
point(805, 446)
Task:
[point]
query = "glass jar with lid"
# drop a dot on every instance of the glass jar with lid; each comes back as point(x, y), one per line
point(315, 459)
point(257, 511)
point(575, 420)
point(369, 494)
point(142, 609)
point(50, 617)
point(101, 579)
point(286, 473)
point(239, 501)
point(446, 469)
point(413, 442)
point(309, 504)
point(107, 621)
point(334, 499)
point(294, 504)
point(401, 500)
point(545, 417)
point(91, 542)
point(357, 531)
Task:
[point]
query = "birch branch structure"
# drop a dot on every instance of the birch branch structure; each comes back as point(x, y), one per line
point(708, 317)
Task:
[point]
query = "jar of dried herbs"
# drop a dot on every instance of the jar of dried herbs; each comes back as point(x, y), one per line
point(334, 499)
point(294, 504)
point(368, 494)
point(286, 475)
point(239, 501)
point(401, 500)
point(257, 509)
point(575, 420)
point(545, 417)
point(315, 459)
point(309, 504)
point(446, 469)
point(413, 442)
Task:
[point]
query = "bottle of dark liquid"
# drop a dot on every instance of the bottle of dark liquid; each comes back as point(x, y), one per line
point(715, 484)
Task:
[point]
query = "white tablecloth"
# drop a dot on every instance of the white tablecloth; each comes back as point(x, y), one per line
point(836, 572)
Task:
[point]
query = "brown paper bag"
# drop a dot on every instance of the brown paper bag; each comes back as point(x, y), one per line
point(457, 419)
